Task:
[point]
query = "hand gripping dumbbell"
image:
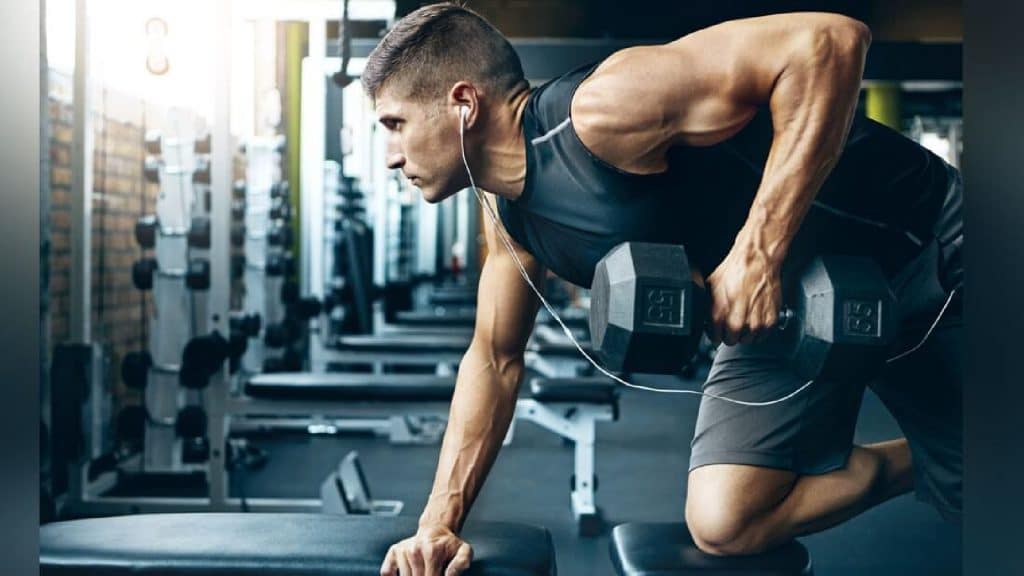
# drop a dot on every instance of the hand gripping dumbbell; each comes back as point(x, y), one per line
point(648, 314)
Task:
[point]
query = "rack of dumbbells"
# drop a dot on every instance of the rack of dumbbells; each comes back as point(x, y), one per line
point(271, 291)
point(351, 252)
point(163, 450)
point(245, 327)
point(400, 232)
point(346, 265)
point(172, 372)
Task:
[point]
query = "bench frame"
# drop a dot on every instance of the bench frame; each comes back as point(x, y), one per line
point(402, 422)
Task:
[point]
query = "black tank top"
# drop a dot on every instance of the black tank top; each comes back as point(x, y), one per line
point(881, 200)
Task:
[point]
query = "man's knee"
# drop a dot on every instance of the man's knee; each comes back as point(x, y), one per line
point(718, 529)
point(725, 503)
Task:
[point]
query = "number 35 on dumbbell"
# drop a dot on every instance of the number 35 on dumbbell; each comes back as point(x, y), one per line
point(648, 313)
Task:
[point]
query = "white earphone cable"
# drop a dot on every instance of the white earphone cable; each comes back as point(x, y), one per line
point(522, 271)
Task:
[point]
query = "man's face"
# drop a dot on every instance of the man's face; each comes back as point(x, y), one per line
point(423, 144)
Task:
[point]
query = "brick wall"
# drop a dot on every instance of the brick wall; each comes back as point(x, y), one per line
point(120, 195)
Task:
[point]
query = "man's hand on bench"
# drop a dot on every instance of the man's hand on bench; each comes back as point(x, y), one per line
point(432, 551)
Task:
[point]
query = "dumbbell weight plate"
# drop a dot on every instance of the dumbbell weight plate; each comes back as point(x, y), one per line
point(145, 231)
point(199, 232)
point(201, 174)
point(151, 169)
point(201, 358)
point(844, 319)
point(646, 310)
point(198, 275)
point(191, 422)
point(135, 369)
point(142, 273)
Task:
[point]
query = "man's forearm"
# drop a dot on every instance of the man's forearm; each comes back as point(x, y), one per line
point(812, 106)
point(482, 408)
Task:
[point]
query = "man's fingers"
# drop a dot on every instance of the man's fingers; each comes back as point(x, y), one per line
point(717, 326)
point(404, 566)
point(415, 558)
point(389, 567)
point(714, 333)
point(432, 561)
point(735, 328)
point(460, 563)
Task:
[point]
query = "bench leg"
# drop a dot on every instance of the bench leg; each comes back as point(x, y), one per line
point(578, 426)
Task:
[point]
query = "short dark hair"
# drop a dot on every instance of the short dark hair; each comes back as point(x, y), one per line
point(434, 47)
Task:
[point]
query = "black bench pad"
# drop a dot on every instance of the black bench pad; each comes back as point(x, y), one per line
point(399, 343)
point(668, 549)
point(351, 386)
point(560, 349)
point(441, 344)
point(439, 316)
point(593, 390)
point(262, 544)
point(411, 388)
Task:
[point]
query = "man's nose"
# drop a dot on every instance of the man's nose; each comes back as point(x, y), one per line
point(395, 160)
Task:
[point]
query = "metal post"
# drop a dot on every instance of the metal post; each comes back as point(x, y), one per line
point(81, 183)
point(220, 278)
point(313, 154)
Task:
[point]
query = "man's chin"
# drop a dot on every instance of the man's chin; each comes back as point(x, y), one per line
point(433, 195)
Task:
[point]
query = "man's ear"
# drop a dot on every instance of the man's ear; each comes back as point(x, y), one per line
point(463, 100)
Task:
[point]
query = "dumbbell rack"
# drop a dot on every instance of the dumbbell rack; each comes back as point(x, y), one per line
point(179, 282)
point(266, 263)
point(343, 261)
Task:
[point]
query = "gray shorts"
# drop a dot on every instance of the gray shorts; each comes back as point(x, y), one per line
point(812, 433)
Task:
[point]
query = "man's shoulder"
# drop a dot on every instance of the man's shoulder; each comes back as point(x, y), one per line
point(551, 99)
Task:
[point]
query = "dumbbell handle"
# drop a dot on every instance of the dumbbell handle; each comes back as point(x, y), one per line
point(786, 315)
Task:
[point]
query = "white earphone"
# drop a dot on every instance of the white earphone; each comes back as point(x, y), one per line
point(463, 113)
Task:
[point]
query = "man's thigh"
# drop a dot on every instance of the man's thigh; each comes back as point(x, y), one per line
point(922, 385)
point(809, 433)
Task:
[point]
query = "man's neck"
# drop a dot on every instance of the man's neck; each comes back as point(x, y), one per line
point(500, 166)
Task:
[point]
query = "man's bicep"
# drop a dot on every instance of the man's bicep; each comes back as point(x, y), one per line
point(506, 307)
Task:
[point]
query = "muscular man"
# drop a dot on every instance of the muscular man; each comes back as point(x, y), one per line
point(741, 142)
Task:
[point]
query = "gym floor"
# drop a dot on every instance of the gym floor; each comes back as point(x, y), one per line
point(641, 466)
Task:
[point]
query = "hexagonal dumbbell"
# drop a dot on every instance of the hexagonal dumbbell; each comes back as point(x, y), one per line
point(648, 313)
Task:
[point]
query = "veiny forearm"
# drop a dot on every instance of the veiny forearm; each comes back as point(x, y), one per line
point(481, 410)
point(812, 105)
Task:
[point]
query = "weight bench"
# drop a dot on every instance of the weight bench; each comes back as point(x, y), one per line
point(667, 549)
point(263, 544)
point(459, 295)
point(551, 357)
point(395, 349)
point(466, 316)
point(552, 354)
point(406, 408)
point(438, 316)
point(418, 406)
point(571, 408)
